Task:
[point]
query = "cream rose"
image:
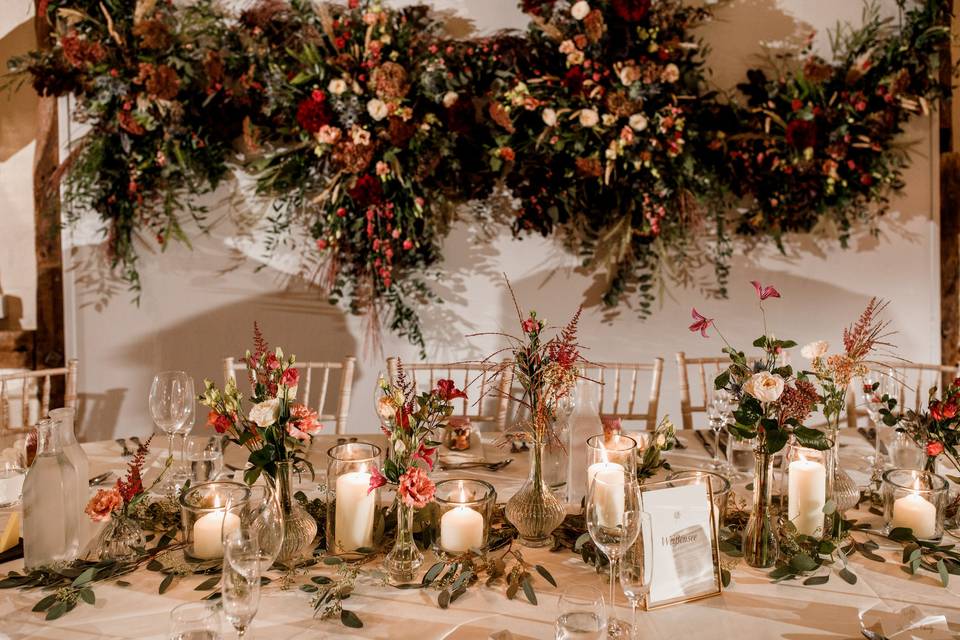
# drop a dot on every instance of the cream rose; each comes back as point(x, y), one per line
point(580, 10)
point(670, 73)
point(764, 386)
point(450, 98)
point(589, 118)
point(549, 117)
point(816, 349)
point(638, 122)
point(377, 109)
point(337, 86)
point(385, 408)
point(265, 413)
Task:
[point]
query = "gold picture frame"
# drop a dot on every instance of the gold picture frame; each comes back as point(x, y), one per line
point(717, 584)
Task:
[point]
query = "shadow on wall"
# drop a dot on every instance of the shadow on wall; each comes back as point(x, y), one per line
point(18, 108)
point(99, 409)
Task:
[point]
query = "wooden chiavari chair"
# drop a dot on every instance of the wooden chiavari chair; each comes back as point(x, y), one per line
point(28, 383)
point(305, 386)
point(913, 382)
point(705, 370)
point(618, 389)
point(483, 380)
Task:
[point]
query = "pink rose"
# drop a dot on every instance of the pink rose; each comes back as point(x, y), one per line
point(104, 503)
point(416, 488)
point(290, 377)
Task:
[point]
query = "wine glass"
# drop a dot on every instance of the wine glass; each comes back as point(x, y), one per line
point(636, 569)
point(582, 614)
point(261, 518)
point(205, 456)
point(876, 385)
point(171, 403)
point(195, 621)
point(613, 521)
point(241, 580)
point(719, 413)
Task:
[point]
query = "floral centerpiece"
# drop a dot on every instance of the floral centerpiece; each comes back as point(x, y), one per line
point(274, 430)
point(937, 429)
point(410, 422)
point(122, 538)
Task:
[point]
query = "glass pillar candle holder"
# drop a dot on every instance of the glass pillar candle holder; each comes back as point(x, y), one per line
point(806, 488)
point(351, 506)
point(915, 499)
point(206, 518)
point(719, 485)
point(463, 515)
point(606, 453)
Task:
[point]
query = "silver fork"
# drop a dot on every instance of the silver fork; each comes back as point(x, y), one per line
point(491, 466)
point(123, 444)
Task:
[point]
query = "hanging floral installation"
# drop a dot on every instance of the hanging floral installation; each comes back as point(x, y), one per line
point(366, 126)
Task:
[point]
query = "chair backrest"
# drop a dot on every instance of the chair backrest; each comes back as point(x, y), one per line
point(913, 379)
point(704, 370)
point(618, 389)
point(28, 384)
point(305, 386)
point(494, 380)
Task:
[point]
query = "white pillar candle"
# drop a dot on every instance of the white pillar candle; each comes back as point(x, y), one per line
point(608, 496)
point(208, 533)
point(915, 512)
point(461, 529)
point(807, 495)
point(356, 505)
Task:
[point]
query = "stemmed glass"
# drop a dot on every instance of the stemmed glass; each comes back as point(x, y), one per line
point(171, 407)
point(718, 414)
point(613, 521)
point(582, 614)
point(875, 386)
point(261, 518)
point(636, 569)
point(241, 580)
point(195, 621)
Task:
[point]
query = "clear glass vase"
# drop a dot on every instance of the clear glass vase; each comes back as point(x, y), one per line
point(534, 510)
point(760, 546)
point(121, 539)
point(405, 557)
point(846, 493)
point(299, 527)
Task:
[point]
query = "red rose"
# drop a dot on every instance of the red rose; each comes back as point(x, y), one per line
point(219, 422)
point(802, 133)
point(447, 390)
point(935, 411)
point(290, 377)
point(631, 10)
point(366, 191)
point(949, 410)
point(313, 114)
point(416, 489)
point(934, 448)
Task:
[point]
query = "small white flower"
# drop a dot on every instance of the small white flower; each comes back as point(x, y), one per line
point(580, 10)
point(377, 109)
point(450, 98)
point(816, 349)
point(589, 118)
point(265, 413)
point(628, 74)
point(609, 119)
point(574, 58)
point(764, 386)
point(549, 117)
point(638, 122)
point(670, 73)
point(337, 86)
point(567, 46)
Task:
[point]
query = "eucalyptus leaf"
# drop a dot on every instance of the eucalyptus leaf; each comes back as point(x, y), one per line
point(546, 574)
point(349, 619)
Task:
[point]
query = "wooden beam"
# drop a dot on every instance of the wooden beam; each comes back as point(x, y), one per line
point(49, 341)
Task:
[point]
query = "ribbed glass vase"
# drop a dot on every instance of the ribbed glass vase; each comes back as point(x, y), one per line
point(299, 527)
point(534, 510)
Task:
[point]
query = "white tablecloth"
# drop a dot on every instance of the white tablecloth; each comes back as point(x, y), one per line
point(751, 607)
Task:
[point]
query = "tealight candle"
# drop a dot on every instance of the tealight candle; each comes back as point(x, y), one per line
point(609, 492)
point(807, 495)
point(355, 509)
point(461, 529)
point(208, 532)
point(915, 512)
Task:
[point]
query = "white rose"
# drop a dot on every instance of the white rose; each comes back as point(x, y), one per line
point(815, 349)
point(549, 117)
point(580, 10)
point(385, 408)
point(589, 118)
point(449, 98)
point(337, 86)
point(764, 386)
point(377, 109)
point(670, 73)
point(575, 58)
point(265, 413)
point(638, 122)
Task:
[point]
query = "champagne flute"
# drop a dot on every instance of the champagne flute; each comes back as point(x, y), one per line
point(241, 580)
point(636, 569)
point(171, 402)
point(582, 614)
point(613, 521)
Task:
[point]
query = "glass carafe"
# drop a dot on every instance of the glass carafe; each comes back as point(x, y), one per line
point(584, 422)
point(64, 418)
point(50, 509)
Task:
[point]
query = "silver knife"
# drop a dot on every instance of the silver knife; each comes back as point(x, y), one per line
point(703, 440)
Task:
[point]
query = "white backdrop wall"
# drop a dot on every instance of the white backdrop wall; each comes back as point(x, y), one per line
point(198, 306)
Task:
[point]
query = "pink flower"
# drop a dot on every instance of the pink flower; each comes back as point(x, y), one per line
point(272, 363)
point(416, 488)
point(934, 448)
point(425, 454)
point(530, 325)
point(303, 423)
point(290, 377)
point(700, 323)
point(377, 480)
point(765, 292)
point(105, 502)
point(447, 390)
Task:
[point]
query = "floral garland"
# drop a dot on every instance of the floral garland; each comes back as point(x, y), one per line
point(366, 127)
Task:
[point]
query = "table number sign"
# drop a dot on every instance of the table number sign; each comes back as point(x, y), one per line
point(686, 558)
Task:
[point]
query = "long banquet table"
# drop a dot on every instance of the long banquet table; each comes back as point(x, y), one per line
point(752, 607)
